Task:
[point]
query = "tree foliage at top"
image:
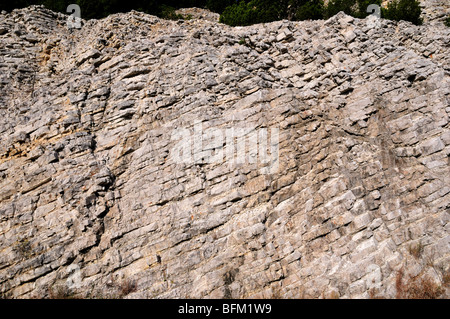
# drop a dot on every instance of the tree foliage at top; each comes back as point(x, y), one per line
point(247, 13)
point(257, 11)
point(309, 10)
point(408, 10)
point(235, 12)
point(219, 6)
point(355, 8)
point(447, 21)
point(96, 9)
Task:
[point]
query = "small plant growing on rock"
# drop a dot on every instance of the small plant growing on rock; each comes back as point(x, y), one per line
point(118, 289)
point(419, 287)
point(169, 13)
point(416, 250)
point(447, 21)
point(60, 292)
point(423, 288)
point(4, 296)
point(446, 277)
point(373, 294)
point(23, 248)
point(127, 287)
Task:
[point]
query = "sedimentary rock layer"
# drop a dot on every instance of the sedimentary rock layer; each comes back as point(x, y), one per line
point(95, 200)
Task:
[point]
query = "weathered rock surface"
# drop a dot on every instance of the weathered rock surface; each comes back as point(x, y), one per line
point(91, 198)
point(198, 13)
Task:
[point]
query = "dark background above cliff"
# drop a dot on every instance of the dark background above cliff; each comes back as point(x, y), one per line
point(236, 12)
point(94, 199)
point(99, 9)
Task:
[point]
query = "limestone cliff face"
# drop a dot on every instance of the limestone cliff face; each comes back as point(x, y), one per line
point(95, 198)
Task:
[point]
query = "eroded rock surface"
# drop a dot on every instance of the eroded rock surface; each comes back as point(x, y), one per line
point(92, 200)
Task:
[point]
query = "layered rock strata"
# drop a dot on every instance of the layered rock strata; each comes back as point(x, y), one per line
point(96, 200)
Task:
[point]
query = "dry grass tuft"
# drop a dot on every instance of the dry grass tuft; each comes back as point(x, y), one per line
point(417, 287)
point(416, 250)
point(127, 287)
point(61, 292)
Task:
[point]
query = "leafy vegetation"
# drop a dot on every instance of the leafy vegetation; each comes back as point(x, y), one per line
point(236, 12)
point(447, 21)
point(355, 8)
point(310, 10)
point(169, 13)
point(247, 13)
point(335, 6)
point(258, 11)
point(219, 6)
point(408, 10)
point(96, 9)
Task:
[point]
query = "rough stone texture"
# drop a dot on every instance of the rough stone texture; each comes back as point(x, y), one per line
point(435, 10)
point(198, 13)
point(90, 197)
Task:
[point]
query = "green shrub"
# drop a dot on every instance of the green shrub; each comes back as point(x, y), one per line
point(355, 8)
point(237, 14)
point(335, 6)
point(362, 5)
point(218, 6)
point(168, 13)
point(310, 10)
point(447, 21)
point(248, 13)
point(407, 10)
